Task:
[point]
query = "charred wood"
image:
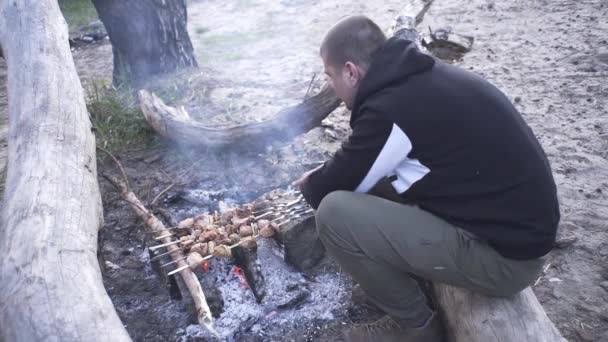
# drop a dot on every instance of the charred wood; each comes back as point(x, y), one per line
point(248, 261)
point(303, 248)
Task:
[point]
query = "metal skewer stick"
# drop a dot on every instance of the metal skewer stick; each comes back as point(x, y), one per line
point(289, 213)
point(280, 205)
point(208, 257)
point(178, 270)
point(295, 216)
point(156, 257)
point(174, 261)
point(263, 215)
point(153, 248)
point(164, 236)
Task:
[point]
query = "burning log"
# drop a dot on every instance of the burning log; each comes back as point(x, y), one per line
point(191, 281)
point(51, 284)
point(247, 260)
point(177, 125)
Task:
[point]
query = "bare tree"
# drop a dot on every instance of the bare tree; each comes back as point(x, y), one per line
point(51, 286)
point(149, 37)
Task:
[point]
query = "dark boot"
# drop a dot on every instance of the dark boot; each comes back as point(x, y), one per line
point(388, 329)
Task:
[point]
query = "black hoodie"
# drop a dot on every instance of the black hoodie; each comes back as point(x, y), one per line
point(451, 143)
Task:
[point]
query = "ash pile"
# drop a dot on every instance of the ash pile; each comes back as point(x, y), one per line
point(262, 268)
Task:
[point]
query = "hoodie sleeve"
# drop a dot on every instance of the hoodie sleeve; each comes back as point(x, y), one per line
point(354, 167)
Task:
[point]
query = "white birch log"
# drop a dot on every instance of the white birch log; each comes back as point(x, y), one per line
point(155, 226)
point(51, 286)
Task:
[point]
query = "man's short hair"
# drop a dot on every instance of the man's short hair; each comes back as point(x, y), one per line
point(353, 39)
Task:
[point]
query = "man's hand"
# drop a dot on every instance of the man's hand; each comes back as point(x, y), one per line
point(304, 177)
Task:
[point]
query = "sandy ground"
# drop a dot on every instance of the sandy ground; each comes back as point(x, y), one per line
point(550, 57)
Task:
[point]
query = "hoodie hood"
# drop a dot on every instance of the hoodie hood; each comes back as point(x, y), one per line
point(392, 64)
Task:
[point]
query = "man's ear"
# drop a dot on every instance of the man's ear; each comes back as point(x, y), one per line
point(352, 73)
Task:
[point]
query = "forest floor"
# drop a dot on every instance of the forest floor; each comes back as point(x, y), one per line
point(549, 57)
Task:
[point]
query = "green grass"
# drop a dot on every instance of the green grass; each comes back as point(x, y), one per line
point(77, 12)
point(118, 122)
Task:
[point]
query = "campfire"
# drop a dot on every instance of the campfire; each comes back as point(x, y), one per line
point(256, 269)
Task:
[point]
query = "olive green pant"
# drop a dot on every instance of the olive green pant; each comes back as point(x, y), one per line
point(385, 245)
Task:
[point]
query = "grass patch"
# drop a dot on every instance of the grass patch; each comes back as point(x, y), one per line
point(117, 119)
point(77, 12)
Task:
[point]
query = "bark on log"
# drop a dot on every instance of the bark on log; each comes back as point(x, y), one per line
point(176, 124)
point(52, 287)
point(203, 313)
point(473, 317)
point(148, 37)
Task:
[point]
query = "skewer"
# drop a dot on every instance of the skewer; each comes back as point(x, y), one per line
point(288, 213)
point(296, 216)
point(263, 215)
point(208, 257)
point(164, 236)
point(174, 261)
point(178, 270)
point(156, 257)
point(280, 205)
point(153, 248)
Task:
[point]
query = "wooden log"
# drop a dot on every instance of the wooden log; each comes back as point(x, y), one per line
point(51, 285)
point(177, 125)
point(156, 227)
point(448, 45)
point(473, 317)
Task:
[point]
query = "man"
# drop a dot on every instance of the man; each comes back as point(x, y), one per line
point(473, 201)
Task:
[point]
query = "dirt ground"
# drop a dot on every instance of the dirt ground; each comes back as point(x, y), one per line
point(549, 57)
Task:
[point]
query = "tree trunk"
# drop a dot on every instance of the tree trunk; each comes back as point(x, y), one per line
point(149, 37)
point(51, 288)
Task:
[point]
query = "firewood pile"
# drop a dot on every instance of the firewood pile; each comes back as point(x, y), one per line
point(206, 236)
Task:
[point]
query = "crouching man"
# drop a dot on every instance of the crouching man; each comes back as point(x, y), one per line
point(468, 197)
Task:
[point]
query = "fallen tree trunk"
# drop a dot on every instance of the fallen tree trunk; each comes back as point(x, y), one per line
point(177, 125)
point(473, 317)
point(52, 287)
